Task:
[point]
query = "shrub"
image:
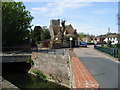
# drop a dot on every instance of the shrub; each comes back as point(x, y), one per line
point(109, 43)
point(119, 55)
point(29, 60)
point(68, 37)
point(118, 45)
point(39, 74)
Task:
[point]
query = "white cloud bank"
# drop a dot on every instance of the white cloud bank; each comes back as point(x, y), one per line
point(58, 8)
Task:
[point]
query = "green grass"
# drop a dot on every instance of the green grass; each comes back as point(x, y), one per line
point(105, 46)
point(39, 74)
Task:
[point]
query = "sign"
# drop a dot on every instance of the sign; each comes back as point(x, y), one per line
point(95, 42)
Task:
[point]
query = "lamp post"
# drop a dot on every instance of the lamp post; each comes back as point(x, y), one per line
point(56, 39)
point(71, 42)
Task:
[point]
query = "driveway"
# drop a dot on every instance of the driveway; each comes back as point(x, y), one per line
point(104, 68)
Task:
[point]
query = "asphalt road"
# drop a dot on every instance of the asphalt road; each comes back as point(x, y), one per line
point(101, 66)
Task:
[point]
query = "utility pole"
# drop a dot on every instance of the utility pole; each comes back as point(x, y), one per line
point(119, 22)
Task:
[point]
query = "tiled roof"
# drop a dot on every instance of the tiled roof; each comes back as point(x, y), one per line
point(112, 36)
point(68, 27)
point(71, 31)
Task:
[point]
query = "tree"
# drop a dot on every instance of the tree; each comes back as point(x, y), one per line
point(45, 34)
point(109, 43)
point(82, 35)
point(67, 38)
point(36, 33)
point(15, 23)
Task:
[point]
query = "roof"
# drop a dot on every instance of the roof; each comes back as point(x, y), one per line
point(71, 31)
point(68, 27)
point(112, 36)
point(101, 36)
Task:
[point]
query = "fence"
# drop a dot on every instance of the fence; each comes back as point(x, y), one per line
point(111, 51)
point(18, 50)
point(52, 51)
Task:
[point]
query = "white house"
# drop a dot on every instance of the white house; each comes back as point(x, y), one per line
point(111, 37)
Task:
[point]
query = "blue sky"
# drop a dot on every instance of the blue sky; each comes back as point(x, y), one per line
point(87, 17)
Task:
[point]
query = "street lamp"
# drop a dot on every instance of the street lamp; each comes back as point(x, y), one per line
point(70, 41)
point(56, 39)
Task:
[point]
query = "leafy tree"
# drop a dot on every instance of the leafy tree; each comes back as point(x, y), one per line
point(68, 38)
point(44, 27)
point(36, 33)
point(109, 43)
point(89, 40)
point(82, 35)
point(15, 23)
point(45, 34)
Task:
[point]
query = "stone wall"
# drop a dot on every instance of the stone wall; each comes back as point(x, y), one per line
point(56, 65)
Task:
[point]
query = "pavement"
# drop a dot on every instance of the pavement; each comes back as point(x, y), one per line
point(102, 67)
point(82, 78)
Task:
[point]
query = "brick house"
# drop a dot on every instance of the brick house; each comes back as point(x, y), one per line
point(56, 30)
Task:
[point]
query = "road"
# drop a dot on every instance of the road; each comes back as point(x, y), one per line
point(104, 68)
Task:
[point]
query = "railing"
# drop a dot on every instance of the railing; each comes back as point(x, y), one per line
point(51, 51)
point(18, 50)
point(111, 51)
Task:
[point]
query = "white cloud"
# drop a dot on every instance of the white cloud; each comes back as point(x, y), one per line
point(102, 11)
point(58, 8)
point(41, 9)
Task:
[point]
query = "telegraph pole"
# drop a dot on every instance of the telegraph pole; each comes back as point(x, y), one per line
point(119, 22)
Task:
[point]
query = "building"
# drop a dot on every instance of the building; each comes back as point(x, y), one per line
point(85, 39)
point(70, 31)
point(112, 37)
point(56, 30)
point(100, 38)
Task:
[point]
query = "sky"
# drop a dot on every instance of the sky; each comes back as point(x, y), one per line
point(87, 17)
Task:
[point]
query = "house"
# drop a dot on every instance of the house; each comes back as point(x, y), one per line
point(85, 39)
point(100, 38)
point(56, 30)
point(112, 37)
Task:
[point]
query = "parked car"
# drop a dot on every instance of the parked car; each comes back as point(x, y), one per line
point(83, 44)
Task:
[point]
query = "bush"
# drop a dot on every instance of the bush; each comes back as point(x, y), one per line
point(118, 45)
point(29, 60)
point(119, 55)
point(68, 37)
point(39, 74)
point(109, 43)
